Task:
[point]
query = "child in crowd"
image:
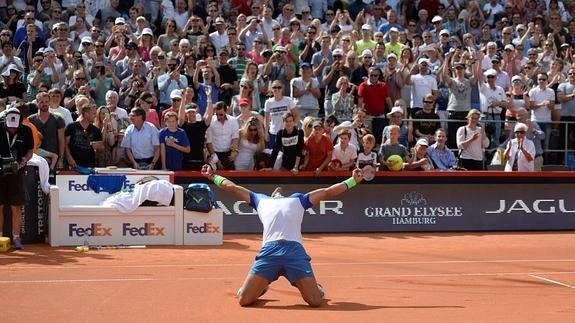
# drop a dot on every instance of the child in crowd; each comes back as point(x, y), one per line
point(344, 153)
point(173, 143)
point(392, 147)
point(367, 157)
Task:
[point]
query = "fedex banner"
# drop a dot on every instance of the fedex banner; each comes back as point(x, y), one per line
point(421, 207)
point(74, 189)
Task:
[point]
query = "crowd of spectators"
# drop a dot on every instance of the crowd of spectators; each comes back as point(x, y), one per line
point(294, 85)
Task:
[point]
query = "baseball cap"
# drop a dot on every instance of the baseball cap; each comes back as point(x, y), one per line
point(11, 67)
point(337, 51)
point(423, 60)
point(141, 18)
point(516, 78)
point(305, 65)
point(496, 59)
point(176, 94)
point(220, 20)
point(444, 32)
point(366, 52)
point(436, 19)
point(244, 101)
point(395, 110)
point(317, 124)
point(393, 30)
point(147, 31)
point(490, 72)
point(391, 55)
point(13, 118)
point(86, 40)
point(422, 142)
point(509, 47)
point(119, 21)
point(366, 27)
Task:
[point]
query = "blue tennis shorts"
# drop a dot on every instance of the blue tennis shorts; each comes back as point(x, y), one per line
point(282, 258)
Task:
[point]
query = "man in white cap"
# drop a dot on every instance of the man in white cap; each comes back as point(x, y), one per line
point(331, 74)
point(422, 84)
point(219, 38)
point(366, 41)
point(520, 151)
point(360, 73)
point(395, 117)
point(394, 46)
point(177, 97)
point(437, 22)
point(495, 99)
point(419, 159)
point(16, 141)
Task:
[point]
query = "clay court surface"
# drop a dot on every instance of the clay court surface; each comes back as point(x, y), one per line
point(443, 277)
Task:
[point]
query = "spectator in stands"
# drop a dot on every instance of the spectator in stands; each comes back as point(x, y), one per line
point(392, 147)
point(251, 141)
point(331, 74)
point(211, 78)
point(56, 108)
point(319, 149)
point(50, 126)
point(344, 154)
point(471, 140)
point(520, 151)
point(373, 97)
point(566, 95)
point(195, 127)
point(534, 133)
point(83, 138)
point(222, 138)
point(146, 102)
point(541, 102)
point(275, 107)
point(496, 101)
point(426, 129)
point(173, 143)
point(342, 100)
point(305, 92)
point(395, 117)
point(418, 159)
point(439, 154)
point(141, 141)
point(12, 90)
point(421, 83)
point(103, 121)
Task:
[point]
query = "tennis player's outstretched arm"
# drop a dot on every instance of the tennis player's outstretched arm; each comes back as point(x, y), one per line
point(336, 189)
point(225, 184)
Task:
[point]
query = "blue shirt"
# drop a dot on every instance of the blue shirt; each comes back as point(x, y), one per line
point(166, 86)
point(141, 142)
point(444, 159)
point(203, 99)
point(174, 156)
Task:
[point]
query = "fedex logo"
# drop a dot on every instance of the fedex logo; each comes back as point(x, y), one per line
point(149, 229)
point(94, 230)
point(207, 227)
point(79, 187)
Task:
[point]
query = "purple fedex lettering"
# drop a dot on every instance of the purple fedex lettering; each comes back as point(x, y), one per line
point(94, 230)
point(74, 186)
point(149, 229)
point(205, 228)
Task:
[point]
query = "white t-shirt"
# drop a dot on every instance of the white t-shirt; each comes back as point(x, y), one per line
point(422, 85)
point(220, 135)
point(497, 94)
point(344, 156)
point(522, 164)
point(541, 114)
point(281, 217)
point(276, 110)
point(63, 113)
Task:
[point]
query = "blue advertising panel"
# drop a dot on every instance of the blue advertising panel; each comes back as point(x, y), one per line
point(421, 208)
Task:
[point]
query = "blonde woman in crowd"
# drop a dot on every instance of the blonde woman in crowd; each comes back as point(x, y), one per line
point(252, 140)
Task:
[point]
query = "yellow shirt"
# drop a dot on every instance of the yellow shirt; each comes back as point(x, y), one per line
point(361, 45)
point(396, 49)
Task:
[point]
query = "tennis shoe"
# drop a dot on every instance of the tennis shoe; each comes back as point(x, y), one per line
point(18, 244)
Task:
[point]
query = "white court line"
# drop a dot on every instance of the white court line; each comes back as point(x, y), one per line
point(390, 276)
point(552, 281)
point(381, 263)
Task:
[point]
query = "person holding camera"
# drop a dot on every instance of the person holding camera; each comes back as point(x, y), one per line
point(16, 146)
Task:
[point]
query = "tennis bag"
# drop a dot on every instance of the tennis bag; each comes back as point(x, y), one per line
point(199, 197)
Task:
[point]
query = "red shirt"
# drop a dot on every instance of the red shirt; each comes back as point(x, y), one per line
point(317, 151)
point(374, 97)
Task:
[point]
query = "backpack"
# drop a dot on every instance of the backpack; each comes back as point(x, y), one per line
point(199, 197)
